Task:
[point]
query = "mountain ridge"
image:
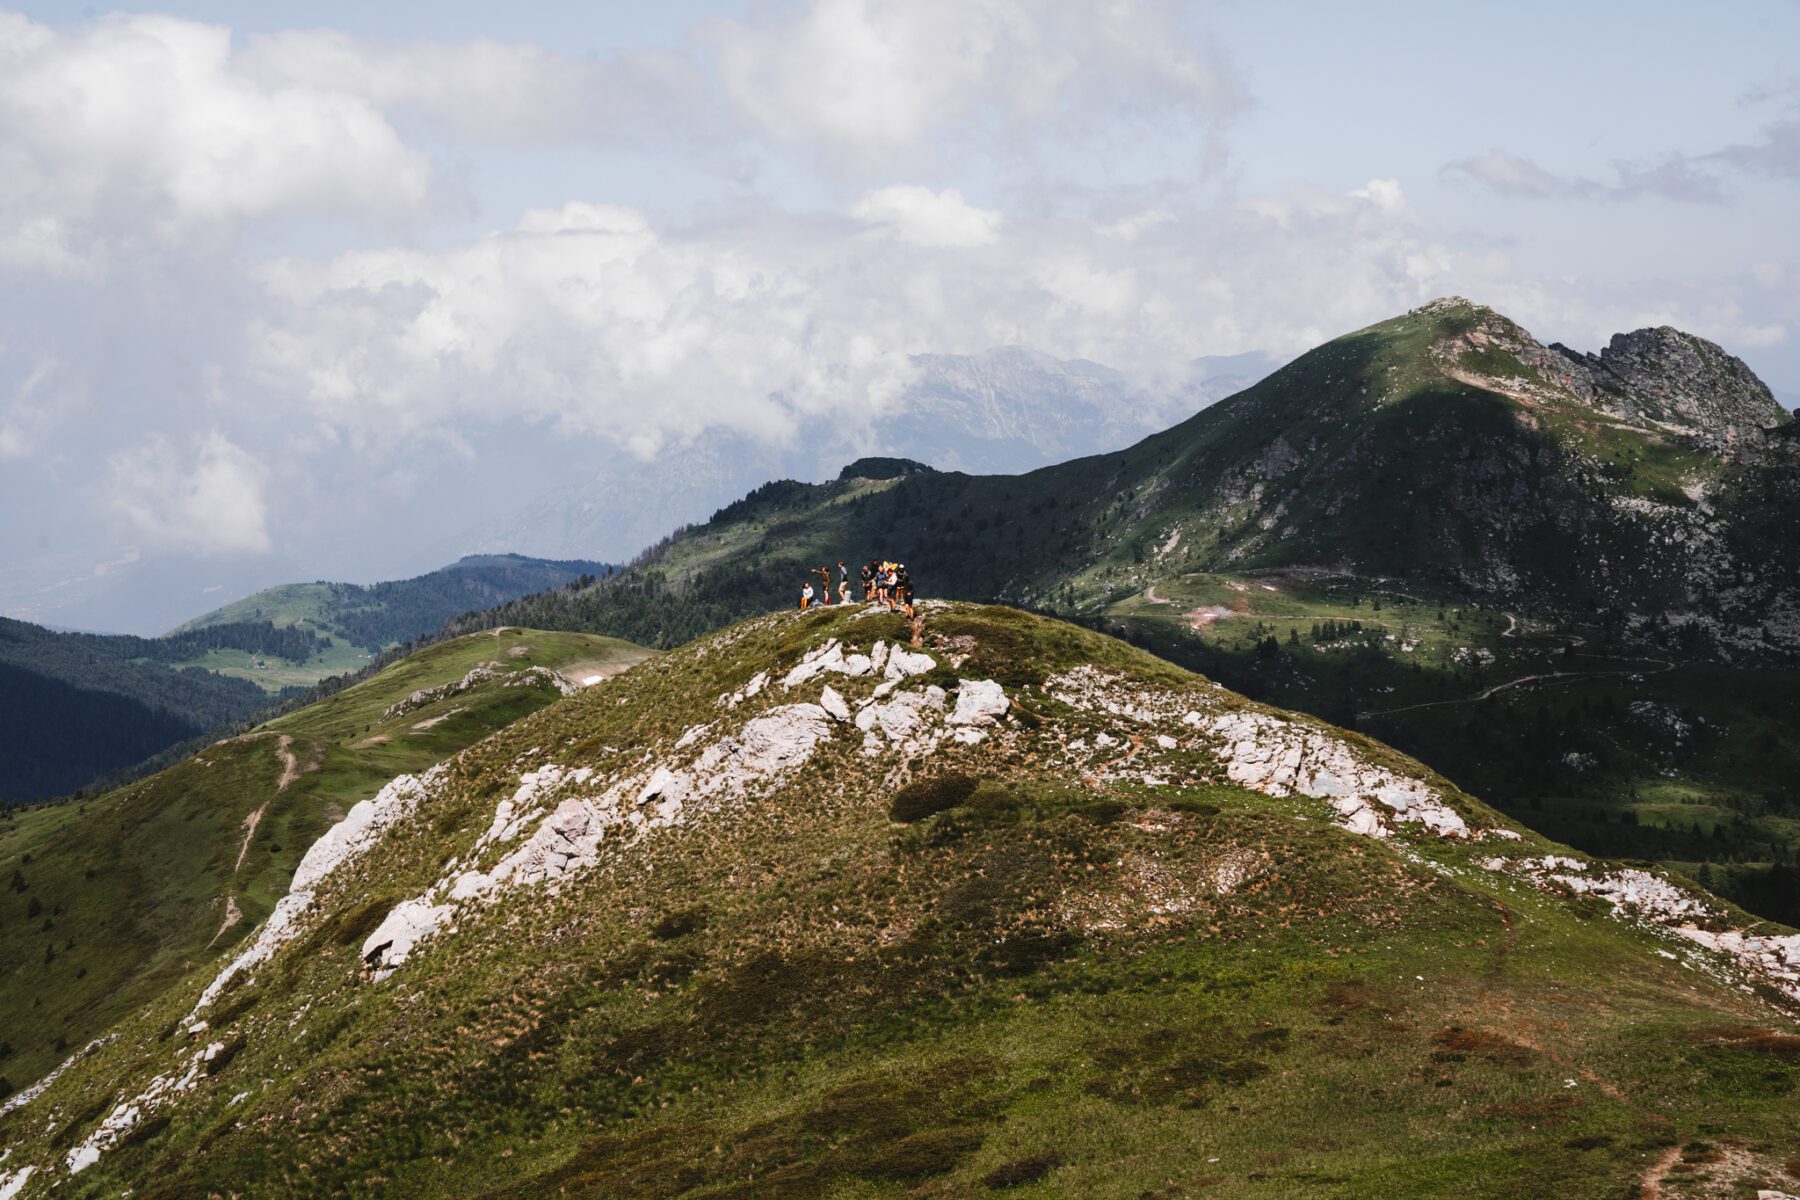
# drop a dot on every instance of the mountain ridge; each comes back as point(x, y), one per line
point(1535, 496)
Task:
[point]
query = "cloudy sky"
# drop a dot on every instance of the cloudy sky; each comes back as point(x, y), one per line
point(305, 289)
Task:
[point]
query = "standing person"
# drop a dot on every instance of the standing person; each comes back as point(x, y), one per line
point(906, 590)
point(824, 574)
point(891, 585)
point(868, 581)
point(806, 596)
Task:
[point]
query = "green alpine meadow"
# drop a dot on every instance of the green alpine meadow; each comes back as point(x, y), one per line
point(831, 903)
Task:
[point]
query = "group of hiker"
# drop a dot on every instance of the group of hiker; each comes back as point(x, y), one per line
point(883, 582)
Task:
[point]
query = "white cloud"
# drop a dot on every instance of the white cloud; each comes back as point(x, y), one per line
point(1129, 228)
point(144, 127)
point(38, 399)
point(210, 502)
point(863, 80)
point(926, 218)
point(1673, 177)
point(597, 321)
point(487, 90)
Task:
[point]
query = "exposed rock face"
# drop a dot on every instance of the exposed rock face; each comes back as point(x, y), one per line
point(1280, 757)
point(410, 922)
point(1636, 894)
point(1665, 376)
point(361, 829)
point(479, 674)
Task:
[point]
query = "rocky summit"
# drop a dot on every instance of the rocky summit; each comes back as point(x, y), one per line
point(824, 905)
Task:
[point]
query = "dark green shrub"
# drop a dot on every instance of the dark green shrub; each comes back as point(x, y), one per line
point(1021, 1171)
point(925, 797)
point(678, 924)
point(922, 1155)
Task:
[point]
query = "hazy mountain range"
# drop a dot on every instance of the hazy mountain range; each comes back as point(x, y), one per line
point(1003, 411)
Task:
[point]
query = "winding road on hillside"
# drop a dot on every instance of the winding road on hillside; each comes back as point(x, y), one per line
point(1661, 665)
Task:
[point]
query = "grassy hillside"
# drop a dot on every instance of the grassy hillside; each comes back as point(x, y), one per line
point(783, 914)
point(354, 622)
point(108, 902)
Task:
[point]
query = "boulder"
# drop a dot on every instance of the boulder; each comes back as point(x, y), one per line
point(978, 702)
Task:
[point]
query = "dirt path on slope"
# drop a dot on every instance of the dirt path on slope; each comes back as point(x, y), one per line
point(290, 771)
point(1650, 1187)
point(1494, 1008)
point(290, 765)
point(233, 915)
point(1662, 665)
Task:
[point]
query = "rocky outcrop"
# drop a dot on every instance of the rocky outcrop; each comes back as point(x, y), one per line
point(1667, 377)
point(1639, 895)
point(1266, 753)
point(479, 674)
point(978, 702)
point(360, 830)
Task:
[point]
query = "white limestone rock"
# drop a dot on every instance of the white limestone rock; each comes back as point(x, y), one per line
point(817, 661)
point(902, 662)
point(411, 922)
point(903, 715)
point(835, 704)
point(1268, 754)
point(978, 702)
point(361, 828)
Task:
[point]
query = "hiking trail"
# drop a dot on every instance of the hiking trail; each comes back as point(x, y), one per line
point(1662, 666)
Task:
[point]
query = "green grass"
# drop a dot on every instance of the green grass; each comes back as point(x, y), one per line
point(798, 997)
point(133, 885)
point(273, 674)
point(285, 604)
